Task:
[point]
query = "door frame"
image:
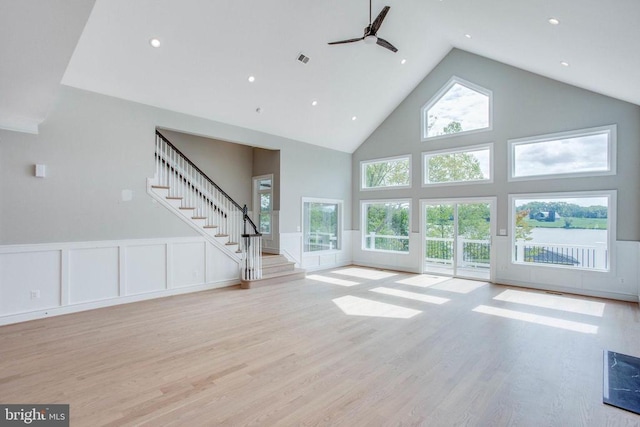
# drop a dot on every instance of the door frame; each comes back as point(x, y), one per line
point(492, 200)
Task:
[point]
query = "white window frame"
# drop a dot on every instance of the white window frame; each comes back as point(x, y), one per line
point(363, 224)
point(443, 90)
point(610, 130)
point(428, 154)
point(256, 196)
point(611, 228)
point(365, 163)
point(340, 204)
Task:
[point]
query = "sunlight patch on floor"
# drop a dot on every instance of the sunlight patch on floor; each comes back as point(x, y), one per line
point(555, 302)
point(584, 328)
point(356, 306)
point(410, 295)
point(365, 273)
point(423, 280)
point(332, 280)
point(459, 286)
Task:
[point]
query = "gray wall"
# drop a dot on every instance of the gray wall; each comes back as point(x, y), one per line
point(228, 165)
point(95, 146)
point(524, 104)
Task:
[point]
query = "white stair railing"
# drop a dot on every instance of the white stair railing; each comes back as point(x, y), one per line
point(209, 202)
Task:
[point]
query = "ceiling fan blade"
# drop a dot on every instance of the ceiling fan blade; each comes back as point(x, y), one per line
point(384, 43)
point(378, 22)
point(347, 41)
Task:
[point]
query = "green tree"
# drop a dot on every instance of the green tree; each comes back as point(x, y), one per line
point(389, 219)
point(454, 167)
point(387, 174)
point(439, 221)
point(474, 221)
point(523, 228)
point(452, 127)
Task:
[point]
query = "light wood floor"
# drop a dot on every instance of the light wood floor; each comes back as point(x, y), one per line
point(319, 352)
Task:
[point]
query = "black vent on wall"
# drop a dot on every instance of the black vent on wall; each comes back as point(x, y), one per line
point(303, 58)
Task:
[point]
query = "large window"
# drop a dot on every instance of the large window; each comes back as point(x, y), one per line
point(571, 230)
point(385, 225)
point(321, 224)
point(460, 106)
point(470, 164)
point(263, 190)
point(392, 172)
point(577, 153)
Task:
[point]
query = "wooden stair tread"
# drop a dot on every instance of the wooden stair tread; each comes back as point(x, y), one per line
point(198, 217)
point(210, 226)
point(185, 208)
point(275, 278)
point(164, 187)
point(174, 198)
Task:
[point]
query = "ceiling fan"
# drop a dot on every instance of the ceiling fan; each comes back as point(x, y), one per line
point(370, 32)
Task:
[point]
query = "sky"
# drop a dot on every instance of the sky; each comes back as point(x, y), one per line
point(459, 104)
point(580, 154)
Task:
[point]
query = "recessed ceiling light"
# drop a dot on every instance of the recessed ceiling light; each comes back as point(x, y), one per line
point(404, 61)
point(353, 118)
point(251, 79)
point(564, 63)
point(154, 42)
point(554, 21)
point(468, 36)
point(314, 102)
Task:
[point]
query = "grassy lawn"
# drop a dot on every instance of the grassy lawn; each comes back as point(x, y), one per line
point(591, 223)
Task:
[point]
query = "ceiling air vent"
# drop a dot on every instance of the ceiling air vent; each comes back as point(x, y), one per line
point(303, 58)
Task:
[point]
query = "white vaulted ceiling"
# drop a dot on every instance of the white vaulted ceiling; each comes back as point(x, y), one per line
point(210, 48)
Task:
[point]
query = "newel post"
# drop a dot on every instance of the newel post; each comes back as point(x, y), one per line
point(244, 219)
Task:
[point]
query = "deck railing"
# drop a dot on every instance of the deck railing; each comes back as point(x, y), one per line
point(477, 253)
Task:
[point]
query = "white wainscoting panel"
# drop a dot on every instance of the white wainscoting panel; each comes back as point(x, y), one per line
point(219, 267)
point(187, 264)
point(25, 272)
point(93, 274)
point(77, 276)
point(146, 269)
point(291, 247)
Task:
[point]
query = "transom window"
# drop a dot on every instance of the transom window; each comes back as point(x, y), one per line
point(460, 106)
point(576, 153)
point(393, 172)
point(385, 225)
point(321, 224)
point(570, 230)
point(464, 165)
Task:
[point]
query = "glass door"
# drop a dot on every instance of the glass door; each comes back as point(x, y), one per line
point(457, 236)
point(440, 234)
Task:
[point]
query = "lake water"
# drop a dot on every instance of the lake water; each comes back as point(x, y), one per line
point(569, 236)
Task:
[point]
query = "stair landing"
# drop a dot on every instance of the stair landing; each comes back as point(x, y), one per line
point(275, 269)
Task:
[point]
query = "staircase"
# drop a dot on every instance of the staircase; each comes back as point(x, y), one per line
point(275, 269)
point(180, 186)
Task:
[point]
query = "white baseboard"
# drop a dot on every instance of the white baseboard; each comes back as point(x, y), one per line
point(75, 308)
point(568, 290)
